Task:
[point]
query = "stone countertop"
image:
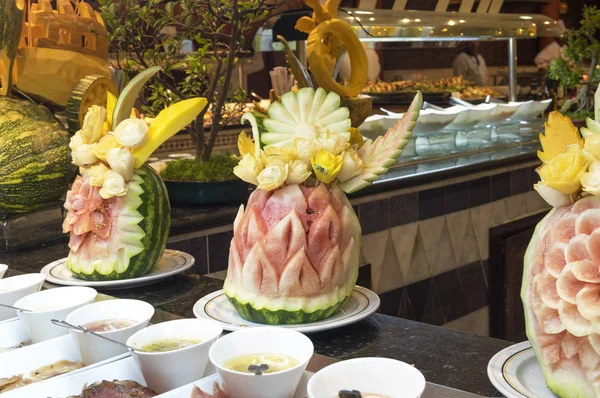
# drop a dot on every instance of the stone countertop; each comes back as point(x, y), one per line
point(450, 358)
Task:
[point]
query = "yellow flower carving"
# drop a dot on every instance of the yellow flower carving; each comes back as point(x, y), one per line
point(563, 172)
point(326, 165)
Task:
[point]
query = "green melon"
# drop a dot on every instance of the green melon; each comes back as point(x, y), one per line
point(35, 159)
point(138, 237)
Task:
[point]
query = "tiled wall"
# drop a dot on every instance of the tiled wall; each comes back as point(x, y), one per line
point(426, 248)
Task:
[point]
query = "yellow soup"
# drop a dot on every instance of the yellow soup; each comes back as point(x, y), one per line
point(276, 362)
point(168, 345)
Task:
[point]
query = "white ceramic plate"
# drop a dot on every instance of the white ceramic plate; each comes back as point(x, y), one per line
point(172, 262)
point(206, 385)
point(516, 373)
point(215, 306)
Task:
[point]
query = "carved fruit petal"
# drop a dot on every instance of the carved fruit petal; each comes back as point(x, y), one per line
point(284, 240)
point(545, 285)
point(554, 261)
point(570, 345)
point(588, 221)
point(323, 234)
point(586, 271)
point(331, 268)
point(281, 203)
point(588, 302)
point(573, 321)
point(258, 275)
point(568, 286)
point(299, 278)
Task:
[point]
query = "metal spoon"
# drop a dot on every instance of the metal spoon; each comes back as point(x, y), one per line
point(458, 101)
point(83, 329)
point(390, 113)
point(15, 308)
point(427, 105)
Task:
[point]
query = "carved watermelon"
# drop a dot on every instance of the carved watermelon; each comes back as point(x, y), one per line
point(294, 256)
point(561, 296)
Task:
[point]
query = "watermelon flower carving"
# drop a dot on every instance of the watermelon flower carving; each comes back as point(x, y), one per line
point(118, 210)
point(295, 251)
point(561, 275)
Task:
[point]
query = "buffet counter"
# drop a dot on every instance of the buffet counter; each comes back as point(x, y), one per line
point(426, 225)
point(449, 358)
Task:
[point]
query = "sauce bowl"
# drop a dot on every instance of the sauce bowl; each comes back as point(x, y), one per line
point(50, 304)
point(94, 349)
point(256, 340)
point(16, 287)
point(164, 371)
point(383, 376)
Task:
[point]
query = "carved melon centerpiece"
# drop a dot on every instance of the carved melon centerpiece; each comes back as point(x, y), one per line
point(118, 209)
point(294, 256)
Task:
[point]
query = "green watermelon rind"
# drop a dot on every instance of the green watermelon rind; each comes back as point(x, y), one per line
point(286, 310)
point(155, 224)
point(283, 317)
point(562, 384)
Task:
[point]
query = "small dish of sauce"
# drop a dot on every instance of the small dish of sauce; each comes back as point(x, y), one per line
point(108, 325)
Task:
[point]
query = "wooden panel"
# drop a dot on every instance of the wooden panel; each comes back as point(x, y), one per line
point(508, 243)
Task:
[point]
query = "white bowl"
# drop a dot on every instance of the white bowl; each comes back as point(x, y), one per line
point(94, 349)
point(368, 375)
point(16, 287)
point(502, 112)
point(3, 268)
point(258, 340)
point(51, 304)
point(531, 109)
point(164, 371)
point(469, 117)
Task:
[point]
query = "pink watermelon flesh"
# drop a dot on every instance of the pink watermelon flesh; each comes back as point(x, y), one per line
point(561, 296)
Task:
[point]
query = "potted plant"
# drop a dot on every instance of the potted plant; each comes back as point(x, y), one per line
point(219, 28)
point(578, 67)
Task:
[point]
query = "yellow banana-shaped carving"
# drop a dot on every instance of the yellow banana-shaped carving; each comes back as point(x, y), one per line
point(327, 36)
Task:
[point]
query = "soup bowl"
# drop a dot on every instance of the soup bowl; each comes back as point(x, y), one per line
point(15, 288)
point(261, 340)
point(94, 349)
point(164, 371)
point(50, 304)
point(373, 377)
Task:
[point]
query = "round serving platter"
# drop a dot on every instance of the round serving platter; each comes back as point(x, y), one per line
point(216, 306)
point(516, 373)
point(173, 262)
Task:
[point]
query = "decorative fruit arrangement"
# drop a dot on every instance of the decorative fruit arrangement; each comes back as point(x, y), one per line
point(295, 251)
point(35, 160)
point(118, 210)
point(328, 38)
point(561, 275)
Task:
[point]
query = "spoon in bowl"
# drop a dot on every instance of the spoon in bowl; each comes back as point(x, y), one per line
point(83, 329)
point(15, 308)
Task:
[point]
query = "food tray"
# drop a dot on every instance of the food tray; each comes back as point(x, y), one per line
point(122, 367)
point(27, 359)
